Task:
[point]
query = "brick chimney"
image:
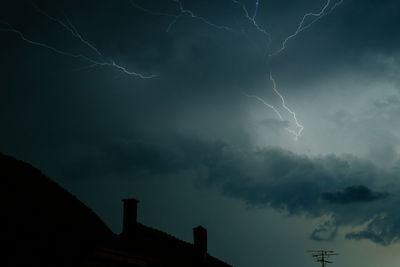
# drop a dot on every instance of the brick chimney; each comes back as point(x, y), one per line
point(200, 240)
point(130, 216)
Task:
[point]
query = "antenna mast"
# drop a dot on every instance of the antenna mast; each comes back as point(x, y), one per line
point(322, 255)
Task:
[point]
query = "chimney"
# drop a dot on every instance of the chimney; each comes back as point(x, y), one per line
point(200, 240)
point(130, 216)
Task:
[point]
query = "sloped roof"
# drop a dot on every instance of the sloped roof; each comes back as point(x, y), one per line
point(155, 247)
point(43, 221)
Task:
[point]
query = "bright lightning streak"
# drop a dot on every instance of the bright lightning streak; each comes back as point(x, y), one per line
point(252, 19)
point(301, 27)
point(79, 36)
point(295, 133)
point(266, 104)
point(126, 71)
point(71, 29)
point(80, 56)
point(256, 10)
point(182, 11)
point(300, 127)
point(192, 15)
point(323, 15)
point(22, 36)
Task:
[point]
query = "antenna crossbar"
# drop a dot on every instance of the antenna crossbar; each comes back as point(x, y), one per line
point(322, 255)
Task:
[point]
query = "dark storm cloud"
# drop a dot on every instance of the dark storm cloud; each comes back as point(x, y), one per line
point(354, 194)
point(270, 177)
point(383, 229)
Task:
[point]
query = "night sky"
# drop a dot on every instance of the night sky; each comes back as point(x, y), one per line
point(188, 137)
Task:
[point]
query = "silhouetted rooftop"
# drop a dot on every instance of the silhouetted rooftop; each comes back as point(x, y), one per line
point(44, 225)
point(42, 221)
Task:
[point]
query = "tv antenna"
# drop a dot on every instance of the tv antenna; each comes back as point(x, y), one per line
point(322, 255)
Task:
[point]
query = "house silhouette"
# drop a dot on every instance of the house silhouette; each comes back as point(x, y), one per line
point(140, 245)
point(42, 224)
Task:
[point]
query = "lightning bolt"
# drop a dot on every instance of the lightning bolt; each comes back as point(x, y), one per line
point(300, 127)
point(252, 19)
point(266, 104)
point(194, 16)
point(182, 11)
point(301, 27)
point(73, 31)
point(256, 10)
point(295, 133)
point(70, 27)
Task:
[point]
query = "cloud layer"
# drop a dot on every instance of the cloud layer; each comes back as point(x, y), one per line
point(346, 190)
